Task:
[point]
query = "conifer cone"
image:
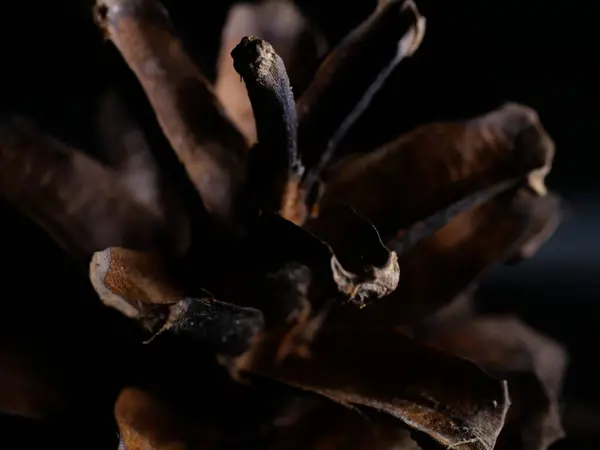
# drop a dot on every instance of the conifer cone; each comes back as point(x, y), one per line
point(241, 285)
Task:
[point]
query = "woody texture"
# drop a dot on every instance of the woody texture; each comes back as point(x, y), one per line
point(241, 281)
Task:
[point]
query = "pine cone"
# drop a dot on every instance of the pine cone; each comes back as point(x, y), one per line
point(272, 293)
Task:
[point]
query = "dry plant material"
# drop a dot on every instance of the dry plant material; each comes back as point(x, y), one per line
point(141, 287)
point(275, 168)
point(127, 151)
point(546, 217)
point(350, 76)
point(445, 264)
point(435, 165)
point(271, 288)
point(146, 423)
point(81, 204)
point(465, 410)
point(27, 387)
point(534, 366)
point(212, 150)
point(327, 426)
point(281, 24)
point(125, 147)
point(362, 266)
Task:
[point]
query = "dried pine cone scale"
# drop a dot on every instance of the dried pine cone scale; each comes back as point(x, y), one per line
point(265, 284)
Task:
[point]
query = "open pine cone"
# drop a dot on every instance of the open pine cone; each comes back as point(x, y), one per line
point(276, 295)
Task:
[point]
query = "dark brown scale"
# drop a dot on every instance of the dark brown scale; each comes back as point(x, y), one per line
point(436, 165)
point(350, 76)
point(274, 162)
point(212, 150)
